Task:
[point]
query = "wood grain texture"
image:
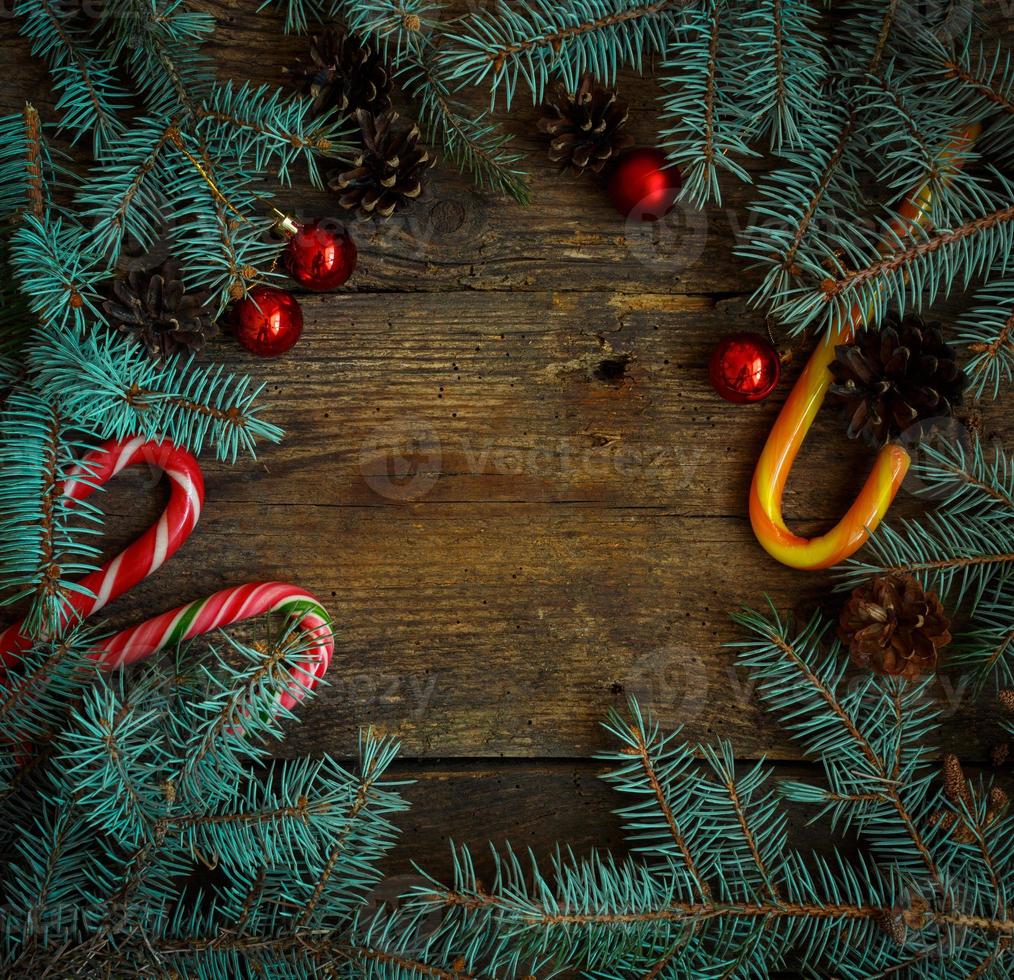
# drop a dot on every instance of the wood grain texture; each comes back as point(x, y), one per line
point(520, 507)
point(507, 477)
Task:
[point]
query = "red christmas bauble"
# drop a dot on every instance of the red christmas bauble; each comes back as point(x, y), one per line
point(267, 321)
point(320, 255)
point(744, 367)
point(643, 185)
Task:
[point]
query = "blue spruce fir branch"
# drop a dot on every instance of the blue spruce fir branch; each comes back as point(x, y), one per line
point(57, 271)
point(301, 15)
point(656, 769)
point(987, 332)
point(401, 29)
point(49, 676)
point(227, 719)
point(964, 561)
point(909, 137)
point(113, 767)
point(194, 187)
point(976, 83)
point(704, 124)
point(803, 210)
point(476, 145)
point(784, 69)
point(871, 33)
point(90, 98)
point(742, 809)
point(262, 129)
point(532, 41)
point(160, 42)
point(58, 873)
point(331, 897)
point(28, 170)
point(986, 651)
point(906, 271)
point(44, 546)
point(123, 195)
point(218, 234)
point(871, 736)
point(612, 919)
point(110, 386)
point(963, 549)
point(968, 482)
point(283, 817)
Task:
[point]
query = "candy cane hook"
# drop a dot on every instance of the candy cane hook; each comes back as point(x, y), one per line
point(794, 421)
point(151, 550)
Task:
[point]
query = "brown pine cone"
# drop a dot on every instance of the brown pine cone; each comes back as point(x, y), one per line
point(894, 376)
point(586, 127)
point(387, 175)
point(892, 626)
point(149, 302)
point(343, 73)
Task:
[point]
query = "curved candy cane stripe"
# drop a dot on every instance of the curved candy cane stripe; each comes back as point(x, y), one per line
point(794, 422)
point(221, 609)
point(139, 559)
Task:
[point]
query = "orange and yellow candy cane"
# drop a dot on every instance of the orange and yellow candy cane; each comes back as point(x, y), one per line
point(794, 422)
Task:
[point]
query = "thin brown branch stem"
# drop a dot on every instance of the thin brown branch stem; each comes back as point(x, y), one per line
point(556, 39)
point(667, 812)
point(900, 258)
point(890, 790)
point(992, 349)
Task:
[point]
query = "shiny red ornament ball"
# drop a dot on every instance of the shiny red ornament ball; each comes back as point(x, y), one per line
point(744, 367)
point(642, 185)
point(267, 321)
point(320, 255)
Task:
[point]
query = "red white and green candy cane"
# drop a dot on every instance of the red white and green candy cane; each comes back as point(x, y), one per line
point(151, 550)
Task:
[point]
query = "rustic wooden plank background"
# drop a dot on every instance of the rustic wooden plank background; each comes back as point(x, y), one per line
point(508, 478)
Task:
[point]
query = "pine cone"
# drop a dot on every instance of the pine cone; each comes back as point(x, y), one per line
point(343, 73)
point(149, 301)
point(891, 377)
point(586, 127)
point(387, 175)
point(893, 627)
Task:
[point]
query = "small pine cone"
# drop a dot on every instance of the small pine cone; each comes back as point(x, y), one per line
point(996, 804)
point(586, 127)
point(894, 925)
point(149, 301)
point(894, 376)
point(893, 627)
point(343, 73)
point(387, 175)
point(1006, 699)
point(999, 754)
point(955, 785)
point(915, 916)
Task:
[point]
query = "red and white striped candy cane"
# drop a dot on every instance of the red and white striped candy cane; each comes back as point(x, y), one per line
point(150, 551)
point(225, 607)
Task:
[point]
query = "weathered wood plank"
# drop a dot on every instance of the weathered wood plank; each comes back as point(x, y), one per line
point(520, 508)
